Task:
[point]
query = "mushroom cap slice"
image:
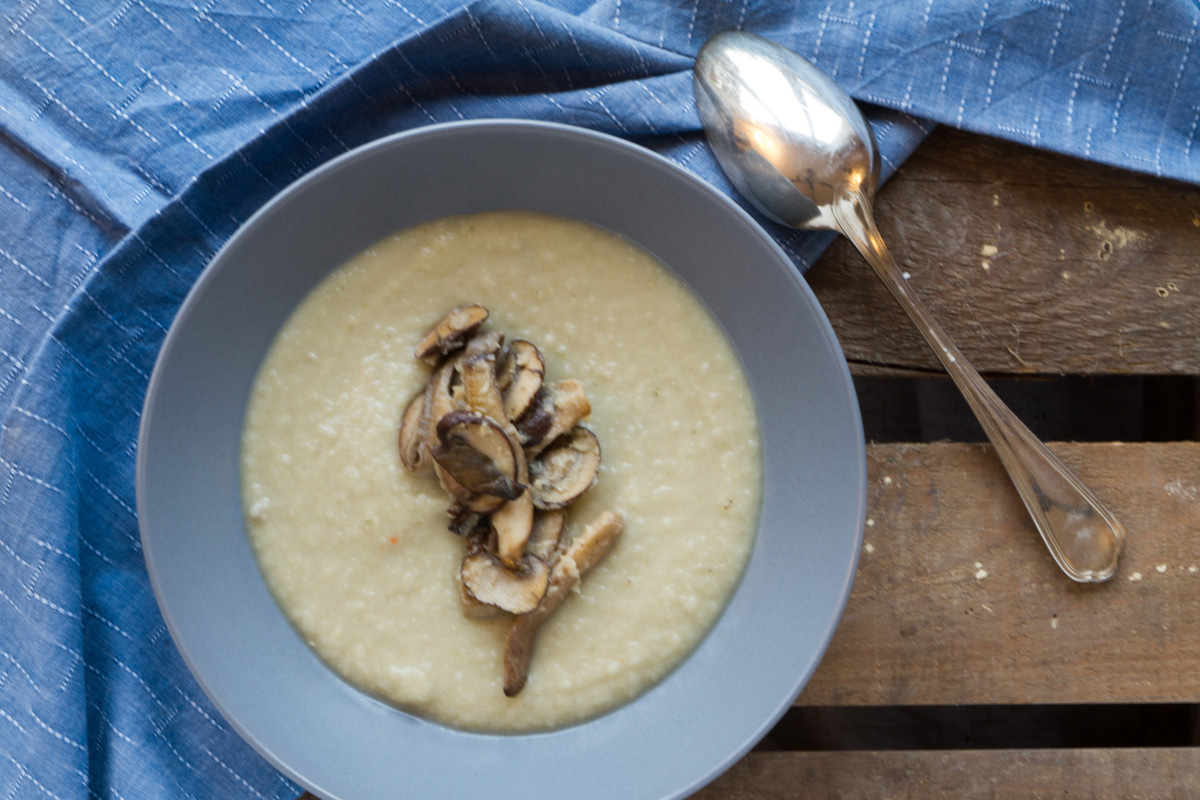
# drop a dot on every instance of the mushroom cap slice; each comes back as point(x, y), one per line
point(466, 522)
point(565, 470)
point(478, 454)
point(450, 332)
point(570, 404)
point(439, 400)
point(413, 454)
point(534, 424)
point(476, 609)
point(513, 521)
point(517, 590)
point(520, 377)
point(478, 369)
point(478, 503)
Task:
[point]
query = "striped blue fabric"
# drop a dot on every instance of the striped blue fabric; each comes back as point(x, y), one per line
point(135, 136)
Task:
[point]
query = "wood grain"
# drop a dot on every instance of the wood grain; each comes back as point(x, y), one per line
point(1033, 262)
point(957, 601)
point(1161, 774)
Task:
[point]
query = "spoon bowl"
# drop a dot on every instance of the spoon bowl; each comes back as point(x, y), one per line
point(795, 136)
point(798, 148)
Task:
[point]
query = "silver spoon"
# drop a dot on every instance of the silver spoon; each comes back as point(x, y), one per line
point(797, 147)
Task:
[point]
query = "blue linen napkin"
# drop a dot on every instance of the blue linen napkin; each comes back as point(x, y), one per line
point(136, 136)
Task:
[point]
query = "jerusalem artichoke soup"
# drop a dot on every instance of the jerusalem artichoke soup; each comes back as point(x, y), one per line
point(502, 471)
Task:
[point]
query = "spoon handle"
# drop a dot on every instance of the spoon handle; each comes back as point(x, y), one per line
point(1083, 536)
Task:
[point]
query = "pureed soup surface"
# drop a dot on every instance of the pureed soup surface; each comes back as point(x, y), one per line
point(355, 548)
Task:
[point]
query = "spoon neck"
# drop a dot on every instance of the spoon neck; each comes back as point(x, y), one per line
point(852, 210)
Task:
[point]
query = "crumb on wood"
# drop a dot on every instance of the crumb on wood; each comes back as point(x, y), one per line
point(1177, 488)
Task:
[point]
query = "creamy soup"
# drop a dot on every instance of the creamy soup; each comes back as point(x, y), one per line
point(356, 549)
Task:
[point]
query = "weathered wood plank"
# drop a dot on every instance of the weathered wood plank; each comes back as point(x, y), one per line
point(957, 601)
point(1162, 774)
point(1033, 262)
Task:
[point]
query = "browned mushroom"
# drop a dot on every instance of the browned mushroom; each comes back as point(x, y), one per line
point(413, 454)
point(565, 470)
point(478, 454)
point(548, 527)
point(569, 404)
point(484, 344)
point(534, 424)
point(490, 428)
point(520, 377)
point(476, 541)
point(467, 523)
point(450, 332)
point(584, 552)
point(476, 609)
point(517, 590)
point(439, 401)
point(479, 378)
point(514, 520)
point(477, 503)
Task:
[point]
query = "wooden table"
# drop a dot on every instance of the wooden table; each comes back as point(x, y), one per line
point(967, 665)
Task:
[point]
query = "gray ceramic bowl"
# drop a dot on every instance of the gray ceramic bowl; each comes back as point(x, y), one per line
point(337, 741)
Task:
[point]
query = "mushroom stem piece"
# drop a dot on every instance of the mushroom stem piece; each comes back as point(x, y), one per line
point(584, 552)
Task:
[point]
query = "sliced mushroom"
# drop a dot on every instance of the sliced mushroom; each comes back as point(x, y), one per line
point(474, 542)
point(570, 405)
point(467, 523)
point(476, 609)
point(520, 377)
point(439, 401)
point(478, 454)
point(479, 380)
point(484, 344)
point(513, 522)
point(413, 454)
point(565, 470)
point(477, 503)
point(534, 424)
point(517, 590)
point(450, 332)
point(584, 552)
point(548, 527)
